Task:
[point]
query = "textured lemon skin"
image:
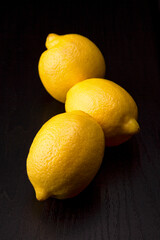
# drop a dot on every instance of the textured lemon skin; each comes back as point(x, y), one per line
point(65, 155)
point(109, 104)
point(69, 59)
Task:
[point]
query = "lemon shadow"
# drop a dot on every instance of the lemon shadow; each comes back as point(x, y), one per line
point(119, 162)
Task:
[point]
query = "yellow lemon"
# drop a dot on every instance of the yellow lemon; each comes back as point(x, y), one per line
point(69, 59)
point(65, 155)
point(109, 104)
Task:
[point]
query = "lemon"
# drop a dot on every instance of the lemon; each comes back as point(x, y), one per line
point(109, 104)
point(65, 155)
point(69, 59)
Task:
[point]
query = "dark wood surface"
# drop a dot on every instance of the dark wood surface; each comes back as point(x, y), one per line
point(123, 201)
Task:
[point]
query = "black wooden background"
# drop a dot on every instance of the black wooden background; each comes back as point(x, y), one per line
point(123, 201)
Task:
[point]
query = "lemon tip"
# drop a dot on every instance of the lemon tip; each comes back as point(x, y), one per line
point(50, 38)
point(41, 195)
point(132, 127)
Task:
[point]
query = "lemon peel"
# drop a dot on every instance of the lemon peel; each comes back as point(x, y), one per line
point(109, 104)
point(69, 59)
point(65, 155)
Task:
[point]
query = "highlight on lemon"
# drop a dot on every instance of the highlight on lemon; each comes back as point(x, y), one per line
point(109, 104)
point(65, 155)
point(69, 59)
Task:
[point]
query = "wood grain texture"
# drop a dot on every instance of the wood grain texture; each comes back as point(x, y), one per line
point(123, 201)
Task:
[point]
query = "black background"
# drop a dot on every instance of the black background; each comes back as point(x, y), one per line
point(123, 201)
